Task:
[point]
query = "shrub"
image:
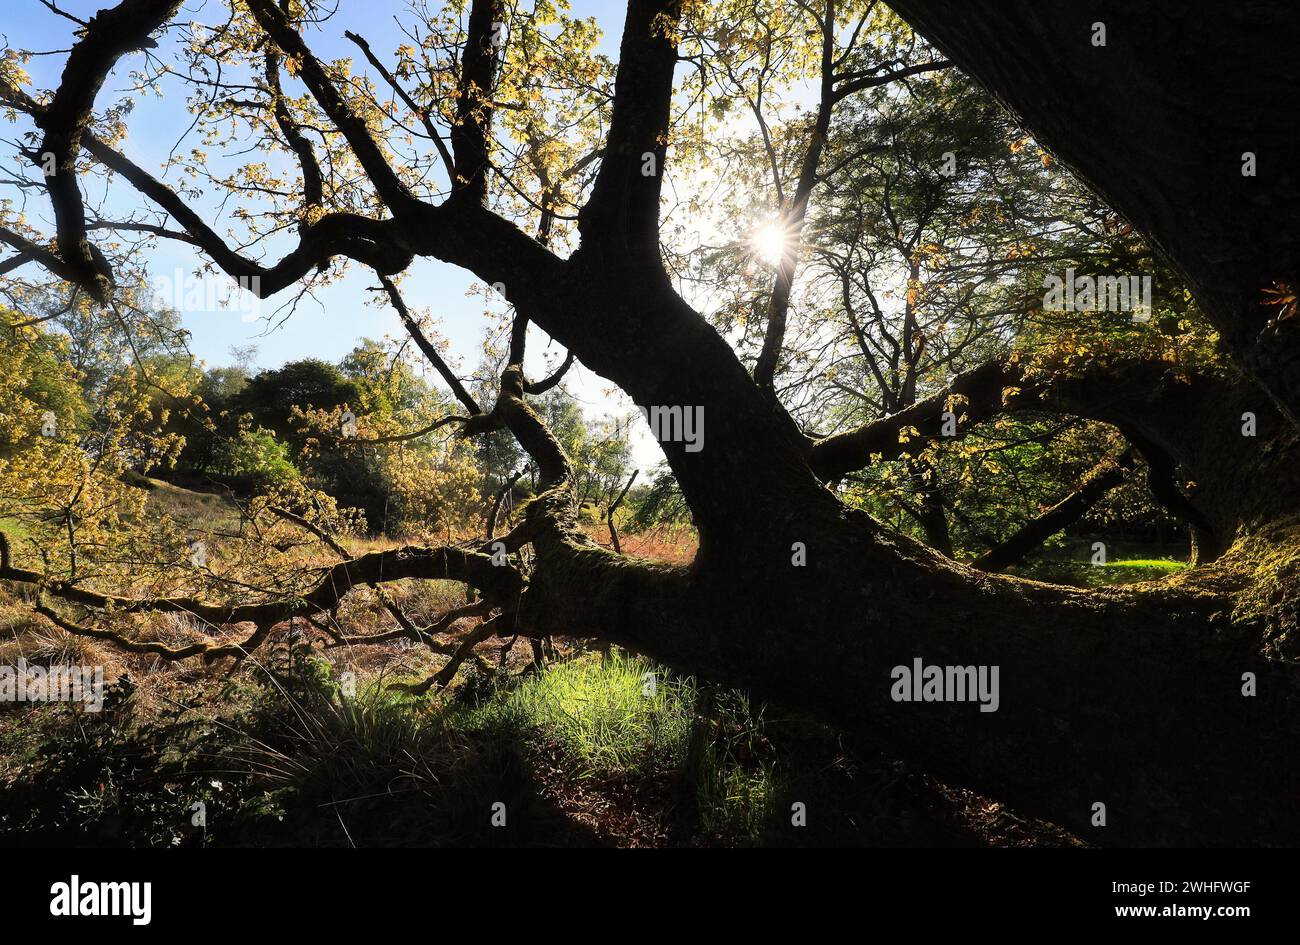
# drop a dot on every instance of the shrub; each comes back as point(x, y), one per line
point(258, 455)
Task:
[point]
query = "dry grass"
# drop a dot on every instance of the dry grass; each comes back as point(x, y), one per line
point(671, 544)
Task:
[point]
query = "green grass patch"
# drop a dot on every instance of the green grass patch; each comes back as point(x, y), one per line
point(1167, 565)
point(1128, 563)
point(616, 718)
point(18, 535)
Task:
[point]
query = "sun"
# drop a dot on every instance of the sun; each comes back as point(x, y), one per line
point(771, 243)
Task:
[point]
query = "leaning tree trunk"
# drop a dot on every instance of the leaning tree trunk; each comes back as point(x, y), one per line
point(1131, 697)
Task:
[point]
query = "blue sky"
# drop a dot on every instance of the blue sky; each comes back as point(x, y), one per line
point(331, 325)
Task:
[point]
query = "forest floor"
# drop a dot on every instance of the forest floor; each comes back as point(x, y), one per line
point(591, 750)
point(588, 752)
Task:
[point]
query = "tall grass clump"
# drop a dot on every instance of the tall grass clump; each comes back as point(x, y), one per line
point(728, 765)
point(618, 718)
point(625, 718)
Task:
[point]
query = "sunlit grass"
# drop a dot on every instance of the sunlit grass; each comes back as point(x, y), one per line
point(18, 535)
point(610, 719)
point(1155, 564)
point(1072, 564)
point(624, 718)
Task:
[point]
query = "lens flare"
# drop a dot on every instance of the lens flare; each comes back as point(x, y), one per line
point(771, 243)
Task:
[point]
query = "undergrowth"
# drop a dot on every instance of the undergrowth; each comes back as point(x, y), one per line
point(590, 751)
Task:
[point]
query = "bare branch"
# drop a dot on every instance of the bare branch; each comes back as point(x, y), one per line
point(613, 507)
point(542, 386)
point(387, 184)
point(421, 112)
point(499, 500)
point(426, 347)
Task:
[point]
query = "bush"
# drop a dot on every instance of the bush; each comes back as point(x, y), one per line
point(258, 455)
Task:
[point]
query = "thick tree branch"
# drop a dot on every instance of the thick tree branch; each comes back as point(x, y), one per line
point(312, 182)
point(973, 396)
point(855, 82)
point(29, 251)
point(376, 243)
point(498, 582)
point(110, 34)
point(622, 214)
point(1162, 480)
point(472, 132)
point(1101, 480)
point(387, 184)
point(406, 627)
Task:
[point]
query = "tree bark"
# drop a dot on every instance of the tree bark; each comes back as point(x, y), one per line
point(1131, 698)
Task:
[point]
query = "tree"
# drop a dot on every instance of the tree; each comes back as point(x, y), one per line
point(271, 396)
point(1132, 698)
point(923, 266)
point(63, 459)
